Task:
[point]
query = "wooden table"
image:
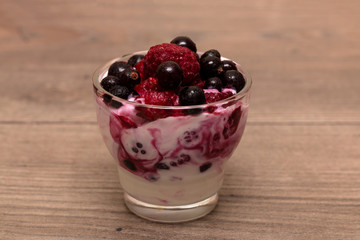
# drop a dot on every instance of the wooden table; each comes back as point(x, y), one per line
point(296, 173)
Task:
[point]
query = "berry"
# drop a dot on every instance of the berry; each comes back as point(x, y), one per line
point(213, 83)
point(192, 96)
point(184, 41)
point(216, 96)
point(189, 139)
point(210, 66)
point(110, 81)
point(232, 123)
point(228, 65)
point(117, 68)
point(234, 79)
point(162, 166)
point(130, 78)
point(120, 91)
point(150, 84)
point(140, 68)
point(170, 75)
point(172, 52)
point(163, 98)
point(205, 167)
point(211, 52)
point(130, 165)
point(134, 59)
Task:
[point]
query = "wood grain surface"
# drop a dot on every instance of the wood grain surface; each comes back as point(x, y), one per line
point(295, 174)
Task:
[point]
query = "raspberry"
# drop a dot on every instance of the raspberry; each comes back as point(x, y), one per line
point(164, 98)
point(172, 52)
point(140, 68)
point(214, 96)
point(150, 84)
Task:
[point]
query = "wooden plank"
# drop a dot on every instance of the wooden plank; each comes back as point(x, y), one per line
point(303, 184)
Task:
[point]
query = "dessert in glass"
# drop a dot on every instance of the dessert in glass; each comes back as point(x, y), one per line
point(171, 117)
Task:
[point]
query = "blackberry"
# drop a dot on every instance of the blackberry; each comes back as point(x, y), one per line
point(184, 41)
point(210, 66)
point(213, 83)
point(211, 52)
point(192, 96)
point(117, 68)
point(135, 59)
point(110, 81)
point(130, 78)
point(234, 79)
point(169, 75)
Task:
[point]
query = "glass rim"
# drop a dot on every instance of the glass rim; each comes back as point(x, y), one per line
point(100, 91)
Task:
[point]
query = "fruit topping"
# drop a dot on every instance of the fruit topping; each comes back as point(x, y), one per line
point(163, 98)
point(228, 65)
point(150, 84)
point(120, 91)
point(192, 96)
point(211, 52)
point(169, 75)
point(184, 41)
point(134, 59)
point(234, 79)
point(215, 96)
point(172, 52)
point(130, 78)
point(210, 66)
point(117, 68)
point(213, 83)
point(110, 81)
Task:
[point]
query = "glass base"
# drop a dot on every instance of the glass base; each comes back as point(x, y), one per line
point(171, 214)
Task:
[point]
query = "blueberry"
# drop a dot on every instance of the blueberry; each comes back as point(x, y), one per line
point(117, 68)
point(162, 166)
point(139, 145)
point(205, 167)
point(211, 52)
point(110, 81)
point(228, 65)
point(185, 42)
point(234, 79)
point(120, 91)
point(135, 59)
point(130, 78)
point(172, 163)
point(192, 96)
point(169, 75)
point(210, 66)
point(213, 83)
point(130, 165)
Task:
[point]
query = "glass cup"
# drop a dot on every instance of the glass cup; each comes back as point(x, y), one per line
point(170, 159)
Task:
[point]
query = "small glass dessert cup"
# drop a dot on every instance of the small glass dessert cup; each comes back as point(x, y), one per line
point(170, 159)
